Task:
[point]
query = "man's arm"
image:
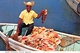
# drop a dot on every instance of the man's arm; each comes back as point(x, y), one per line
point(41, 13)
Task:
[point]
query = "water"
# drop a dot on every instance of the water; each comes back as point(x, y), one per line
point(2, 45)
point(60, 16)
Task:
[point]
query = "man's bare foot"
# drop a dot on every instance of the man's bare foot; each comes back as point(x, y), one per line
point(15, 36)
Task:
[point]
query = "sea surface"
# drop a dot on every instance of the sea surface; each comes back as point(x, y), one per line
point(60, 16)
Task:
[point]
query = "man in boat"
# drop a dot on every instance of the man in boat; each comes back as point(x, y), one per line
point(26, 20)
point(27, 16)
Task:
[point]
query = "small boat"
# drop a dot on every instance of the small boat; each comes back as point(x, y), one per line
point(10, 28)
point(73, 4)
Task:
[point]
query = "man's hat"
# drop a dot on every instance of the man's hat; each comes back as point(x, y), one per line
point(29, 3)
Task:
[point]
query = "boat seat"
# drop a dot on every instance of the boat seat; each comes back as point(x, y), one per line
point(24, 30)
point(7, 29)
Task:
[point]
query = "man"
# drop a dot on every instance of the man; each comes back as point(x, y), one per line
point(27, 16)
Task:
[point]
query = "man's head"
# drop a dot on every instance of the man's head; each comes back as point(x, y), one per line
point(29, 5)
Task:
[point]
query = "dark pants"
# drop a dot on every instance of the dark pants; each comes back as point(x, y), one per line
point(22, 25)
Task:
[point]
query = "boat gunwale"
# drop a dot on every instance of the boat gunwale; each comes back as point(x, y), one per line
point(11, 24)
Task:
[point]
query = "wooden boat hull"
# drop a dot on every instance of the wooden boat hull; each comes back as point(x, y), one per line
point(73, 5)
point(6, 28)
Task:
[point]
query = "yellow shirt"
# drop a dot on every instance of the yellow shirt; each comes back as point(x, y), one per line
point(27, 17)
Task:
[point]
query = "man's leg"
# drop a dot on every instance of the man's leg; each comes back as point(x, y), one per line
point(19, 31)
point(22, 25)
point(30, 27)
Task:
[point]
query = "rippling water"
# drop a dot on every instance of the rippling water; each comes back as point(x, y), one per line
point(60, 16)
